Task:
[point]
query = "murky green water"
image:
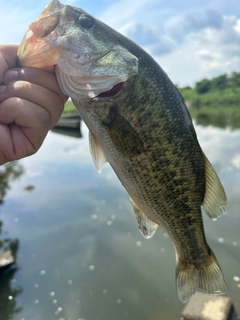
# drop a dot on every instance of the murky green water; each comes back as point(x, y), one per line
point(79, 252)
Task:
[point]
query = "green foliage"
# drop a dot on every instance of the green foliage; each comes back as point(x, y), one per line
point(216, 101)
point(203, 86)
point(221, 90)
point(219, 83)
point(188, 93)
point(69, 109)
point(235, 79)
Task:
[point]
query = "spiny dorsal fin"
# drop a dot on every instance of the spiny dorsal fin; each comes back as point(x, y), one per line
point(97, 152)
point(215, 201)
point(145, 225)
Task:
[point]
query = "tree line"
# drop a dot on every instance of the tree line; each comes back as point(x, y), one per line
point(218, 83)
point(223, 90)
point(215, 101)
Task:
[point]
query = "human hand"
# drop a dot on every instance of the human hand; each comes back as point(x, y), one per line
point(31, 103)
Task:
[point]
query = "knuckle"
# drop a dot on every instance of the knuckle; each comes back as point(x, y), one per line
point(21, 85)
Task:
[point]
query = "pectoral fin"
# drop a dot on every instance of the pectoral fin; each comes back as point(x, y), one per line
point(145, 225)
point(215, 201)
point(123, 135)
point(97, 152)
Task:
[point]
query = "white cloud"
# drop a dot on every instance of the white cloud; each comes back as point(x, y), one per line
point(156, 42)
point(237, 26)
point(226, 142)
point(236, 161)
point(199, 43)
point(193, 21)
point(204, 54)
point(207, 55)
point(189, 44)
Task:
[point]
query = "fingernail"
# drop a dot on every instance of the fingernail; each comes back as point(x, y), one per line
point(11, 75)
point(2, 89)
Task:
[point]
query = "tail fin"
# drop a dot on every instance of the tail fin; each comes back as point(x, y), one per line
point(207, 278)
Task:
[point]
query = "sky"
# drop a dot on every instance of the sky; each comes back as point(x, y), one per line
point(190, 39)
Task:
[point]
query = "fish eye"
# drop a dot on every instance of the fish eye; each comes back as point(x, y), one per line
point(86, 22)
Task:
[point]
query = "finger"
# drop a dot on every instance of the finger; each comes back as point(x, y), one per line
point(37, 76)
point(37, 95)
point(28, 124)
point(7, 58)
point(6, 146)
point(2, 89)
point(14, 143)
point(25, 114)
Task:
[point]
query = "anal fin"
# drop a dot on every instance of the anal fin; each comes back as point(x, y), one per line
point(215, 201)
point(97, 152)
point(145, 225)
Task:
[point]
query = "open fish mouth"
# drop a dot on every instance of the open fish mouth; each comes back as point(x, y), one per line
point(84, 70)
point(97, 78)
point(112, 92)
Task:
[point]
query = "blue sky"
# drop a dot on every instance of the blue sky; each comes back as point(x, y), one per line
point(191, 40)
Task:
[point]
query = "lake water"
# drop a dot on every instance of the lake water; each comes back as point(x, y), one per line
point(79, 252)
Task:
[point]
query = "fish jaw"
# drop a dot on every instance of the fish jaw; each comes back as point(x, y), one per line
point(83, 67)
point(38, 39)
point(27, 56)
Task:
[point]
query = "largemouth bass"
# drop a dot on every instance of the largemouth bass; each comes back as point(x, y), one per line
point(138, 122)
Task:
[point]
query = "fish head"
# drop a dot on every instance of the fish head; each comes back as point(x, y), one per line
point(87, 57)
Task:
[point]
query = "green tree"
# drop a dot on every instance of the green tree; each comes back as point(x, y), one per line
point(203, 86)
point(235, 79)
point(220, 82)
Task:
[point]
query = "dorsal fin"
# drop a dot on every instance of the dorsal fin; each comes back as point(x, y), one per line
point(145, 225)
point(215, 201)
point(97, 152)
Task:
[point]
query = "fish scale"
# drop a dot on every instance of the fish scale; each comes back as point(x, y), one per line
point(139, 123)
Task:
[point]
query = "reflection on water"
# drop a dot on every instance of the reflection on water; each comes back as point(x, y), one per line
point(9, 304)
point(71, 132)
point(221, 116)
point(9, 172)
point(8, 293)
point(81, 254)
